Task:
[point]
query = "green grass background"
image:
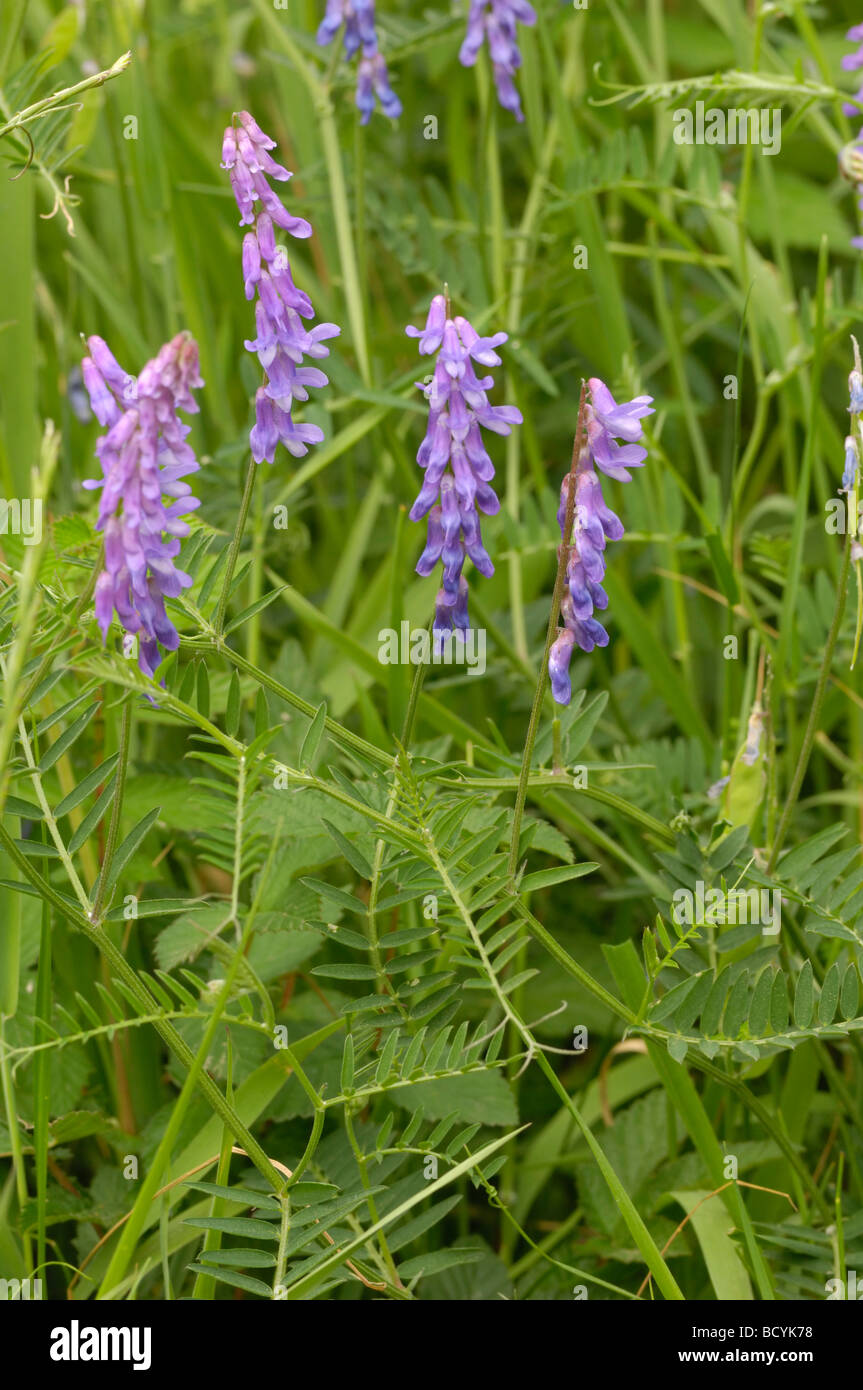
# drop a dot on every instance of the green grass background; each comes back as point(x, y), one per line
point(719, 280)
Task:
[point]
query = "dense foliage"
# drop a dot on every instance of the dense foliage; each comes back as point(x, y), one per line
point(332, 971)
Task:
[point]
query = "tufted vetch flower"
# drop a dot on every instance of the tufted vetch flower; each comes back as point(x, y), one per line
point(593, 523)
point(851, 155)
point(144, 457)
point(358, 18)
point(458, 470)
point(282, 339)
point(853, 62)
point(373, 81)
point(494, 21)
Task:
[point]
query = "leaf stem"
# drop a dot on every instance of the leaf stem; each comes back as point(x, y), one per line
point(116, 811)
point(169, 1034)
point(815, 711)
point(236, 542)
point(143, 1202)
point(560, 581)
point(18, 1166)
point(39, 108)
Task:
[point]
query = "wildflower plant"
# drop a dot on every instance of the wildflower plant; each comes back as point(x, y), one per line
point(851, 155)
point(357, 19)
point(325, 977)
point(587, 523)
point(282, 339)
point(850, 484)
point(853, 62)
point(495, 23)
point(458, 469)
point(145, 457)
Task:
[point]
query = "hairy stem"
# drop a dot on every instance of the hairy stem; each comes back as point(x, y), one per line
point(560, 581)
point(116, 811)
point(236, 542)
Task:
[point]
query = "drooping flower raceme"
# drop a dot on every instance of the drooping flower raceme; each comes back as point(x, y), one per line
point(593, 523)
point(851, 156)
point(144, 457)
point(358, 18)
point(495, 20)
point(853, 62)
point(282, 339)
point(373, 80)
point(851, 482)
point(458, 470)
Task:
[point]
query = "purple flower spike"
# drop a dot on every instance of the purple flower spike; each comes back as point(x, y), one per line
point(495, 21)
point(593, 524)
point(282, 338)
point(358, 17)
point(851, 155)
point(458, 469)
point(852, 62)
point(144, 457)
